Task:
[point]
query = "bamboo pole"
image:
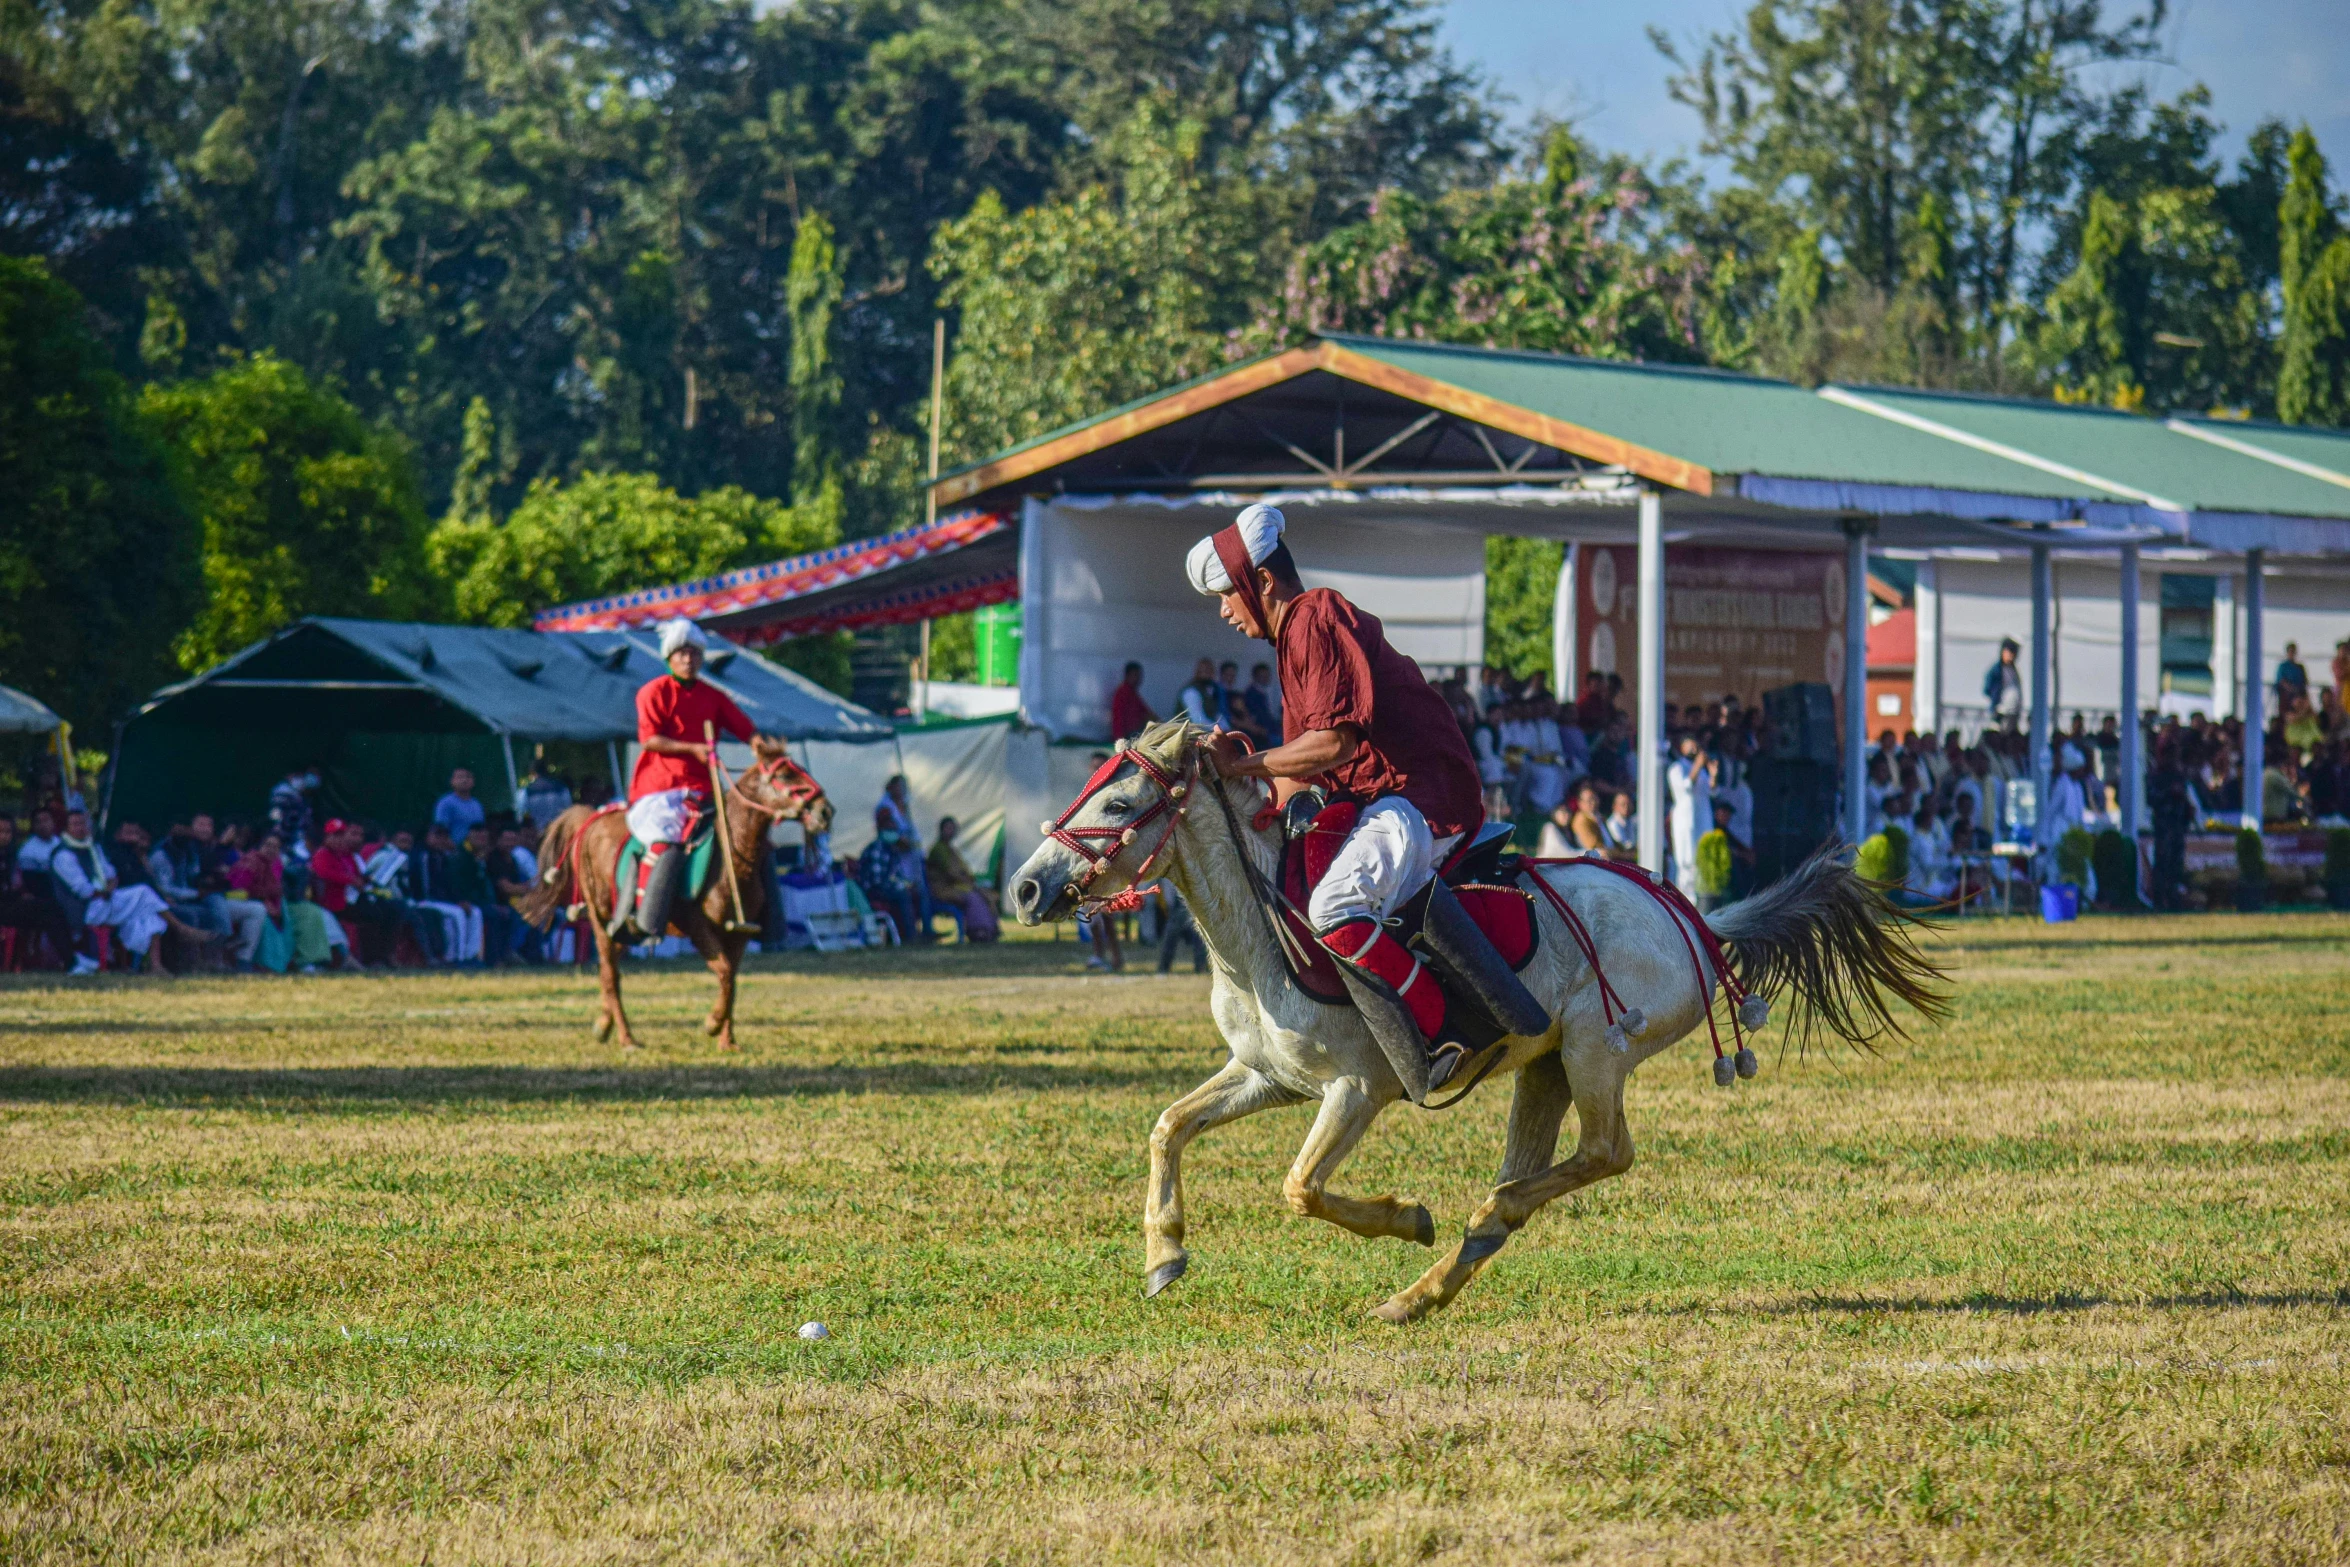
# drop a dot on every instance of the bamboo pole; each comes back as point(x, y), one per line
point(741, 923)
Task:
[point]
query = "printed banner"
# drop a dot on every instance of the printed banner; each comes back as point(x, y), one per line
point(1737, 622)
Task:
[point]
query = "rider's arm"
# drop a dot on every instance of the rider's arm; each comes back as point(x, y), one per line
point(665, 746)
point(1293, 765)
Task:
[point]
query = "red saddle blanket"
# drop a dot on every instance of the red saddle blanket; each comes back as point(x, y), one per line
point(1503, 913)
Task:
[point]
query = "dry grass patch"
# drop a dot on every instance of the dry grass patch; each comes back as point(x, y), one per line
point(396, 1268)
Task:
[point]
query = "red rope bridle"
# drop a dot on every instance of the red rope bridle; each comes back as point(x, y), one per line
point(1080, 841)
point(1685, 919)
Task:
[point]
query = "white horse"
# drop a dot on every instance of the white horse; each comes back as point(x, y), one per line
point(1823, 937)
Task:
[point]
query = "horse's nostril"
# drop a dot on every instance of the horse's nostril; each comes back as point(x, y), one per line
point(1027, 891)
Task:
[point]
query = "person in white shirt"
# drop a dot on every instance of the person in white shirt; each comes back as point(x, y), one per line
point(137, 915)
point(1620, 827)
point(1933, 867)
point(2068, 799)
point(1690, 788)
point(1546, 772)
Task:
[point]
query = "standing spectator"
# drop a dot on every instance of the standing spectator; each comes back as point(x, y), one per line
point(2003, 684)
point(1177, 927)
point(431, 884)
point(1691, 788)
point(27, 905)
point(546, 796)
point(1203, 699)
point(289, 810)
point(458, 810)
point(953, 885)
point(1591, 708)
point(881, 877)
point(1130, 715)
point(2171, 804)
point(1264, 698)
point(2292, 678)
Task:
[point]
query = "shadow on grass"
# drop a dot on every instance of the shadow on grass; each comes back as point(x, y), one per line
point(2035, 1305)
point(2334, 937)
point(365, 1089)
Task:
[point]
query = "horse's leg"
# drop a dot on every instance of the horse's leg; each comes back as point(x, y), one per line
point(1232, 1093)
point(723, 952)
point(1603, 1148)
point(608, 974)
point(1346, 1114)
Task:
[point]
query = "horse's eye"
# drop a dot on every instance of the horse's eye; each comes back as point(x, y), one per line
point(1115, 807)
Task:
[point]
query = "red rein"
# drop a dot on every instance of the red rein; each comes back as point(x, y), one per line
point(1685, 918)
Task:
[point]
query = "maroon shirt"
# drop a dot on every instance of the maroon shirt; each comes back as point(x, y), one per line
point(1337, 669)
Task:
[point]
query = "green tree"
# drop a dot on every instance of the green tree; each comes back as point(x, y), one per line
point(304, 508)
point(1082, 303)
point(812, 293)
point(609, 533)
point(2313, 379)
point(1521, 584)
point(97, 559)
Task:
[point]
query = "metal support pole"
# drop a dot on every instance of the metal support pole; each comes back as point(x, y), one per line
point(1856, 681)
point(2255, 696)
point(1565, 679)
point(1652, 682)
point(2043, 676)
point(612, 757)
point(513, 784)
point(938, 392)
point(2132, 764)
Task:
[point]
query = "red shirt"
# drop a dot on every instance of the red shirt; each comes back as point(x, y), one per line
point(334, 877)
point(1130, 715)
point(671, 708)
point(1336, 669)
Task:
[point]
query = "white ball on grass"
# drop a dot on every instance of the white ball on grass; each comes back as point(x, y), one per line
point(814, 1330)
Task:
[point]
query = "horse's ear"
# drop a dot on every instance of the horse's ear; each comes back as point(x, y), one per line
point(768, 746)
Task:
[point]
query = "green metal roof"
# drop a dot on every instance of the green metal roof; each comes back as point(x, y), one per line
point(1723, 420)
point(2127, 448)
point(2328, 450)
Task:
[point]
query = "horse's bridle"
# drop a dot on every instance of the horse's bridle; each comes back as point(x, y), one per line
point(782, 773)
point(1173, 789)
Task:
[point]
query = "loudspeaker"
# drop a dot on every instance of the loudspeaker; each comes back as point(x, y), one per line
point(1794, 812)
point(1803, 722)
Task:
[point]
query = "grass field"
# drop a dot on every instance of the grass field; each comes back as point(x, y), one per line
point(406, 1269)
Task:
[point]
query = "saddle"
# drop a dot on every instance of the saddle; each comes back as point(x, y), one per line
point(633, 868)
point(1472, 874)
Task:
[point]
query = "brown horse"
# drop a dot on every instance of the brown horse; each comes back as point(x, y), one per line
point(583, 846)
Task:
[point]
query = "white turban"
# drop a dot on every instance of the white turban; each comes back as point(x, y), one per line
point(1260, 530)
point(681, 633)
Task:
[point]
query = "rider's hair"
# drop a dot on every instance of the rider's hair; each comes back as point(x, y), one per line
point(1283, 566)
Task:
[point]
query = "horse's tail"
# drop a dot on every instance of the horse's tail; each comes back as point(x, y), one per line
point(1828, 944)
point(552, 893)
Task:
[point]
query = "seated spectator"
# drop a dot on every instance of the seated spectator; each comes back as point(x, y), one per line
point(1933, 865)
point(953, 885)
point(86, 878)
point(881, 877)
point(477, 888)
point(429, 882)
point(1130, 715)
point(385, 895)
point(1203, 699)
point(899, 802)
point(336, 875)
point(1264, 699)
point(1574, 829)
point(1237, 713)
point(458, 810)
point(1621, 829)
point(27, 905)
point(300, 934)
point(184, 868)
point(512, 871)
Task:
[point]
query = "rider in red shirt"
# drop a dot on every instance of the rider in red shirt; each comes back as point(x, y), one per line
point(671, 786)
point(1360, 717)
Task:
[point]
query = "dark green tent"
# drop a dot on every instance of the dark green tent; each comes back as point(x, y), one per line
point(387, 709)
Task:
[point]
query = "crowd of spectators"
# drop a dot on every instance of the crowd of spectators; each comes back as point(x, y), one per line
point(283, 892)
point(909, 886)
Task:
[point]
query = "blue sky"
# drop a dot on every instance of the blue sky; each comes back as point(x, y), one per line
point(1589, 61)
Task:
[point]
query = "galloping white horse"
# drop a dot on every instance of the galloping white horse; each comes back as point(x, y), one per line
point(1822, 936)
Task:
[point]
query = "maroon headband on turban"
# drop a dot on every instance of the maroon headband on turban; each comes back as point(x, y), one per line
point(1234, 554)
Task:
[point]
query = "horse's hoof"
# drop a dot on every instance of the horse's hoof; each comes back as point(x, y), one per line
point(1394, 1313)
point(1476, 1248)
point(1163, 1275)
point(711, 1026)
point(603, 1029)
point(1423, 1226)
point(630, 1044)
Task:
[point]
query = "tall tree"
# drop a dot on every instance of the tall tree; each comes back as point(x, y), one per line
point(304, 508)
point(2313, 378)
point(97, 560)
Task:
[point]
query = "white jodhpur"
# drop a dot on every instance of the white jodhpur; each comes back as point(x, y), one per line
point(1390, 855)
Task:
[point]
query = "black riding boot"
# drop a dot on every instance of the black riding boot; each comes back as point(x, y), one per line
point(661, 883)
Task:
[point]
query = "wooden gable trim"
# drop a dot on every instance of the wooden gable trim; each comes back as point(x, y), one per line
point(1498, 415)
point(1230, 386)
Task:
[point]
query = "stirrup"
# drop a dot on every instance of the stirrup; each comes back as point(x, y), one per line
point(1445, 1063)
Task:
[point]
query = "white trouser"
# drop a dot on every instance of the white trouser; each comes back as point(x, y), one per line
point(245, 917)
point(663, 816)
point(461, 924)
point(1389, 856)
point(136, 913)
